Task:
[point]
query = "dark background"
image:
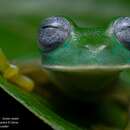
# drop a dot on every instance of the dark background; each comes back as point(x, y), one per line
point(11, 108)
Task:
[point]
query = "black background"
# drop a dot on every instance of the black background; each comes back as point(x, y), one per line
point(9, 107)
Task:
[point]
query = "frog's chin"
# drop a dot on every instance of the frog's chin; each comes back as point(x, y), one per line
point(88, 68)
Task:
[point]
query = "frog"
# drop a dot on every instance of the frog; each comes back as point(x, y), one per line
point(88, 65)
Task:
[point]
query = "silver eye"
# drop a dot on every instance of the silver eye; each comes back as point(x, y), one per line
point(53, 32)
point(121, 29)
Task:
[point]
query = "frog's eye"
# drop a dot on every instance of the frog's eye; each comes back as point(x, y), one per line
point(53, 32)
point(122, 30)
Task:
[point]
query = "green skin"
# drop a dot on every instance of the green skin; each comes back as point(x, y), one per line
point(89, 66)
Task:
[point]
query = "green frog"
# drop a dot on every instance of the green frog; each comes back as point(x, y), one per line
point(89, 64)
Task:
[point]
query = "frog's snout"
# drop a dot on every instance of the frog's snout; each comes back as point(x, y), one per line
point(95, 49)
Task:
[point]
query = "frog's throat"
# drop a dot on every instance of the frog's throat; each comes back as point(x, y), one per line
point(84, 82)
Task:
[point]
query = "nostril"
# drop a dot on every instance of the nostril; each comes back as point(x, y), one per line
point(87, 47)
point(102, 47)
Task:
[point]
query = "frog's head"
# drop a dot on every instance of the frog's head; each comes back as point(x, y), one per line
point(81, 53)
point(62, 43)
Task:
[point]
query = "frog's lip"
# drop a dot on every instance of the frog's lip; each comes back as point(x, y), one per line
point(89, 68)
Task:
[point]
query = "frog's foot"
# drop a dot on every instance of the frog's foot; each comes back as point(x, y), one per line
point(12, 73)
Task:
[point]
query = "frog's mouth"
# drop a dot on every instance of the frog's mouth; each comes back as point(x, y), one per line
point(88, 68)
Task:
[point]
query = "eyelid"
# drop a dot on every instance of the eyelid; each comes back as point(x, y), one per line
point(49, 26)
